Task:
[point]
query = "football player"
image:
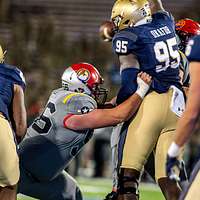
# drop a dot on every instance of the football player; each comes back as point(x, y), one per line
point(12, 118)
point(63, 128)
point(185, 29)
point(188, 122)
point(147, 42)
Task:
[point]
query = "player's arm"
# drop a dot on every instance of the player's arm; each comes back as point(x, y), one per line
point(187, 123)
point(156, 5)
point(19, 111)
point(124, 45)
point(108, 117)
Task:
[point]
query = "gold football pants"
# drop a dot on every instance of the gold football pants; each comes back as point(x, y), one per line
point(152, 128)
point(9, 162)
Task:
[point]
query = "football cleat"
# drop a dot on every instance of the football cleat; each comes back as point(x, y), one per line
point(111, 196)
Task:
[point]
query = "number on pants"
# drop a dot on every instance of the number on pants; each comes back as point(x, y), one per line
point(166, 54)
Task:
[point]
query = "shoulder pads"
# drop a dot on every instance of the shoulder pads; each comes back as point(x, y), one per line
point(78, 103)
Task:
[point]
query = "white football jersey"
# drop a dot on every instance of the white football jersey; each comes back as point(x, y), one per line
point(60, 103)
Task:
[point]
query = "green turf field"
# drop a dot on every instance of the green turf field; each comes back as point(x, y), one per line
point(96, 189)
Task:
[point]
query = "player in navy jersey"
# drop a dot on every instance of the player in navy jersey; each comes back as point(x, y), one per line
point(189, 122)
point(147, 42)
point(152, 41)
point(12, 120)
point(185, 29)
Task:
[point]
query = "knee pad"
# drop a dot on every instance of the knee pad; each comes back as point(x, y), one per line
point(128, 182)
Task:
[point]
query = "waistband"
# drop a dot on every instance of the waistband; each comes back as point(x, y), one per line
point(1, 115)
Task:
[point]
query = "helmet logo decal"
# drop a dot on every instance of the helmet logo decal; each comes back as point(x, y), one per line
point(180, 24)
point(83, 74)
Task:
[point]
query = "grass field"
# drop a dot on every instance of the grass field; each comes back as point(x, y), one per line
point(96, 189)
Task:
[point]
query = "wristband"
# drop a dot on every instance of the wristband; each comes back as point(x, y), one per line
point(173, 150)
point(142, 88)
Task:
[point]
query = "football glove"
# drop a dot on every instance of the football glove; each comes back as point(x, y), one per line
point(172, 165)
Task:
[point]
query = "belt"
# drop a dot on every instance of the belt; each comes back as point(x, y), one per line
point(1, 115)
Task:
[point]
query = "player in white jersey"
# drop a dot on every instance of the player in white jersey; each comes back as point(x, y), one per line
point(50, 145)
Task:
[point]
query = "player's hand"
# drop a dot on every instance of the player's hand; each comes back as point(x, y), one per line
point(145, 77)
point(144, 81)
point(109, 104)
point(172, 165)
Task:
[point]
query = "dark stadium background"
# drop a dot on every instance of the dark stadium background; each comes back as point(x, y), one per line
point(44, 36)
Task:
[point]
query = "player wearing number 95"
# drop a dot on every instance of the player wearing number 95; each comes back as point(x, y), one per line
point(147, 42)
point(189, 122)
point(59, 133)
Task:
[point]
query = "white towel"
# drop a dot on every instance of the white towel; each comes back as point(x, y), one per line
point(114, 140)
point(178, 102)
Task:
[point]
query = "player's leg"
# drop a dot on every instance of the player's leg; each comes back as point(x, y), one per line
point(63, 187)
point(9, 162)
point(114, 140)
point(55, 155)
point(142, 137)
point(170, 188)
point(192, 191)
point(114, 146)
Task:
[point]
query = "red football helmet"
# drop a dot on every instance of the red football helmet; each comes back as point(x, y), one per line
point(84, 78)
point(185, 29)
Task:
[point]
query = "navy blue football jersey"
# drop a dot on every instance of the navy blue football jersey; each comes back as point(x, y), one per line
point(9, 75)
point(193, 49)
point(155, 47)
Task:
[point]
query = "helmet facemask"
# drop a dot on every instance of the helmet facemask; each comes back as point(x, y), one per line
point(99, 94)
point(184, 39)
point(186, 29)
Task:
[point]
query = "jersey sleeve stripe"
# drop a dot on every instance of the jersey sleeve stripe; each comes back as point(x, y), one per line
point(68, 97)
